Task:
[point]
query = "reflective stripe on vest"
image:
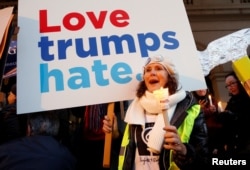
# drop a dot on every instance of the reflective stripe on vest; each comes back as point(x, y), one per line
point(184, 131)
point(124, 143)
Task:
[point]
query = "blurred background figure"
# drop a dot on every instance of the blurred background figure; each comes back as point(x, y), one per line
point(209, 106)
point(88, 138)
point(235, 119)
point(12, 126)
point(2, 100)
point(39, 149)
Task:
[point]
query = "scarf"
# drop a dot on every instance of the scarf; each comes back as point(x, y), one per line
point(148, 104)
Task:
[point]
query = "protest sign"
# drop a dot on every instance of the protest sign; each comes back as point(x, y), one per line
point(6, 31)
point(10, 65)
point(75, 53)
point(6, 19)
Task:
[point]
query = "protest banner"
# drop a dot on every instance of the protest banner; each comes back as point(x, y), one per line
point(6, 20)
point(80, 53)
point(10, 64)
point(6, 31)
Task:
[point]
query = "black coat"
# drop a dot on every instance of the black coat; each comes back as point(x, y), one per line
point(235, 119)
point(9, 124)
point(36, 153)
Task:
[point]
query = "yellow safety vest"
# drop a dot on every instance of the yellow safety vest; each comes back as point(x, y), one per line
point(184, 132)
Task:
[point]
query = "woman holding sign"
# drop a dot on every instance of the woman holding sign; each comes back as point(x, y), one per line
point(165, 126)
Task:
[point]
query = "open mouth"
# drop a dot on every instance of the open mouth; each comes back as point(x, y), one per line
point(153, 81)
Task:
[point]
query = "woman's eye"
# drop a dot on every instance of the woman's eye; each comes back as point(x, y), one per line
point(159, 68)
point(147, 69)
point(156, 68)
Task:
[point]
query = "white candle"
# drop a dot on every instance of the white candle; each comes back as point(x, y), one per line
point(210, 100)
point(161, 94)
point(220, 108)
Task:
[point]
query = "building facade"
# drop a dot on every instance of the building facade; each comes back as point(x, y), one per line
point(213, 19)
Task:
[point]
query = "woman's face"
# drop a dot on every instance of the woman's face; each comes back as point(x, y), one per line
point(232, 85)
point(201, 92)
point(155, 76)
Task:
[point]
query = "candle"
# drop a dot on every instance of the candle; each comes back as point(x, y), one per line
point(210, 100)
point(162, 94)
point(220, 108)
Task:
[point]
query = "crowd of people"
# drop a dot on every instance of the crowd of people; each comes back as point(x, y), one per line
point(227, 132)
point(182, 130)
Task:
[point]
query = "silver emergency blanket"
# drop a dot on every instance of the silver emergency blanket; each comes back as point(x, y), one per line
point(228, 48)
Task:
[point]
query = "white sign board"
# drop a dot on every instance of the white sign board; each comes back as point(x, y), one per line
point(75, 53)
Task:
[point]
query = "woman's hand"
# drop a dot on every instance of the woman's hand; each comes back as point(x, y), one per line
point(212, 108)
point(203, 103)
point(172, 141)
point(110, 124)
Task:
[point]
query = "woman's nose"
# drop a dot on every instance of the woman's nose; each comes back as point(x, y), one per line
point(153, 72)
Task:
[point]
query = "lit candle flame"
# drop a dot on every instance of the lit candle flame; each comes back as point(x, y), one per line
point(161, 93)
point(210, 100)
point(220, 108)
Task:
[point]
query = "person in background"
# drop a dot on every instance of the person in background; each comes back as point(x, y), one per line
point(248, 50)
point(88, 138)
point(12, 126)
point(152, 144)
point(39, 149)
point(209, 106)
point(235, 120)
point(2, 100)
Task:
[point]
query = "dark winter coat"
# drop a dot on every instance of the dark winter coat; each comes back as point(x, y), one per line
point(197, 149)
point(235, 119)
point(37, 153)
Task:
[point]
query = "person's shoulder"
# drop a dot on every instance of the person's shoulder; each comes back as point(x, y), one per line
point(190, 98)
point(188, 102)
point(8, 112)
point(55, 155)
point(9, 108)
point(33, 144)
point(10, 146)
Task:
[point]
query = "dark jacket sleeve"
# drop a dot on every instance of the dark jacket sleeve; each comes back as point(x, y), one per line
point(197, 149)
